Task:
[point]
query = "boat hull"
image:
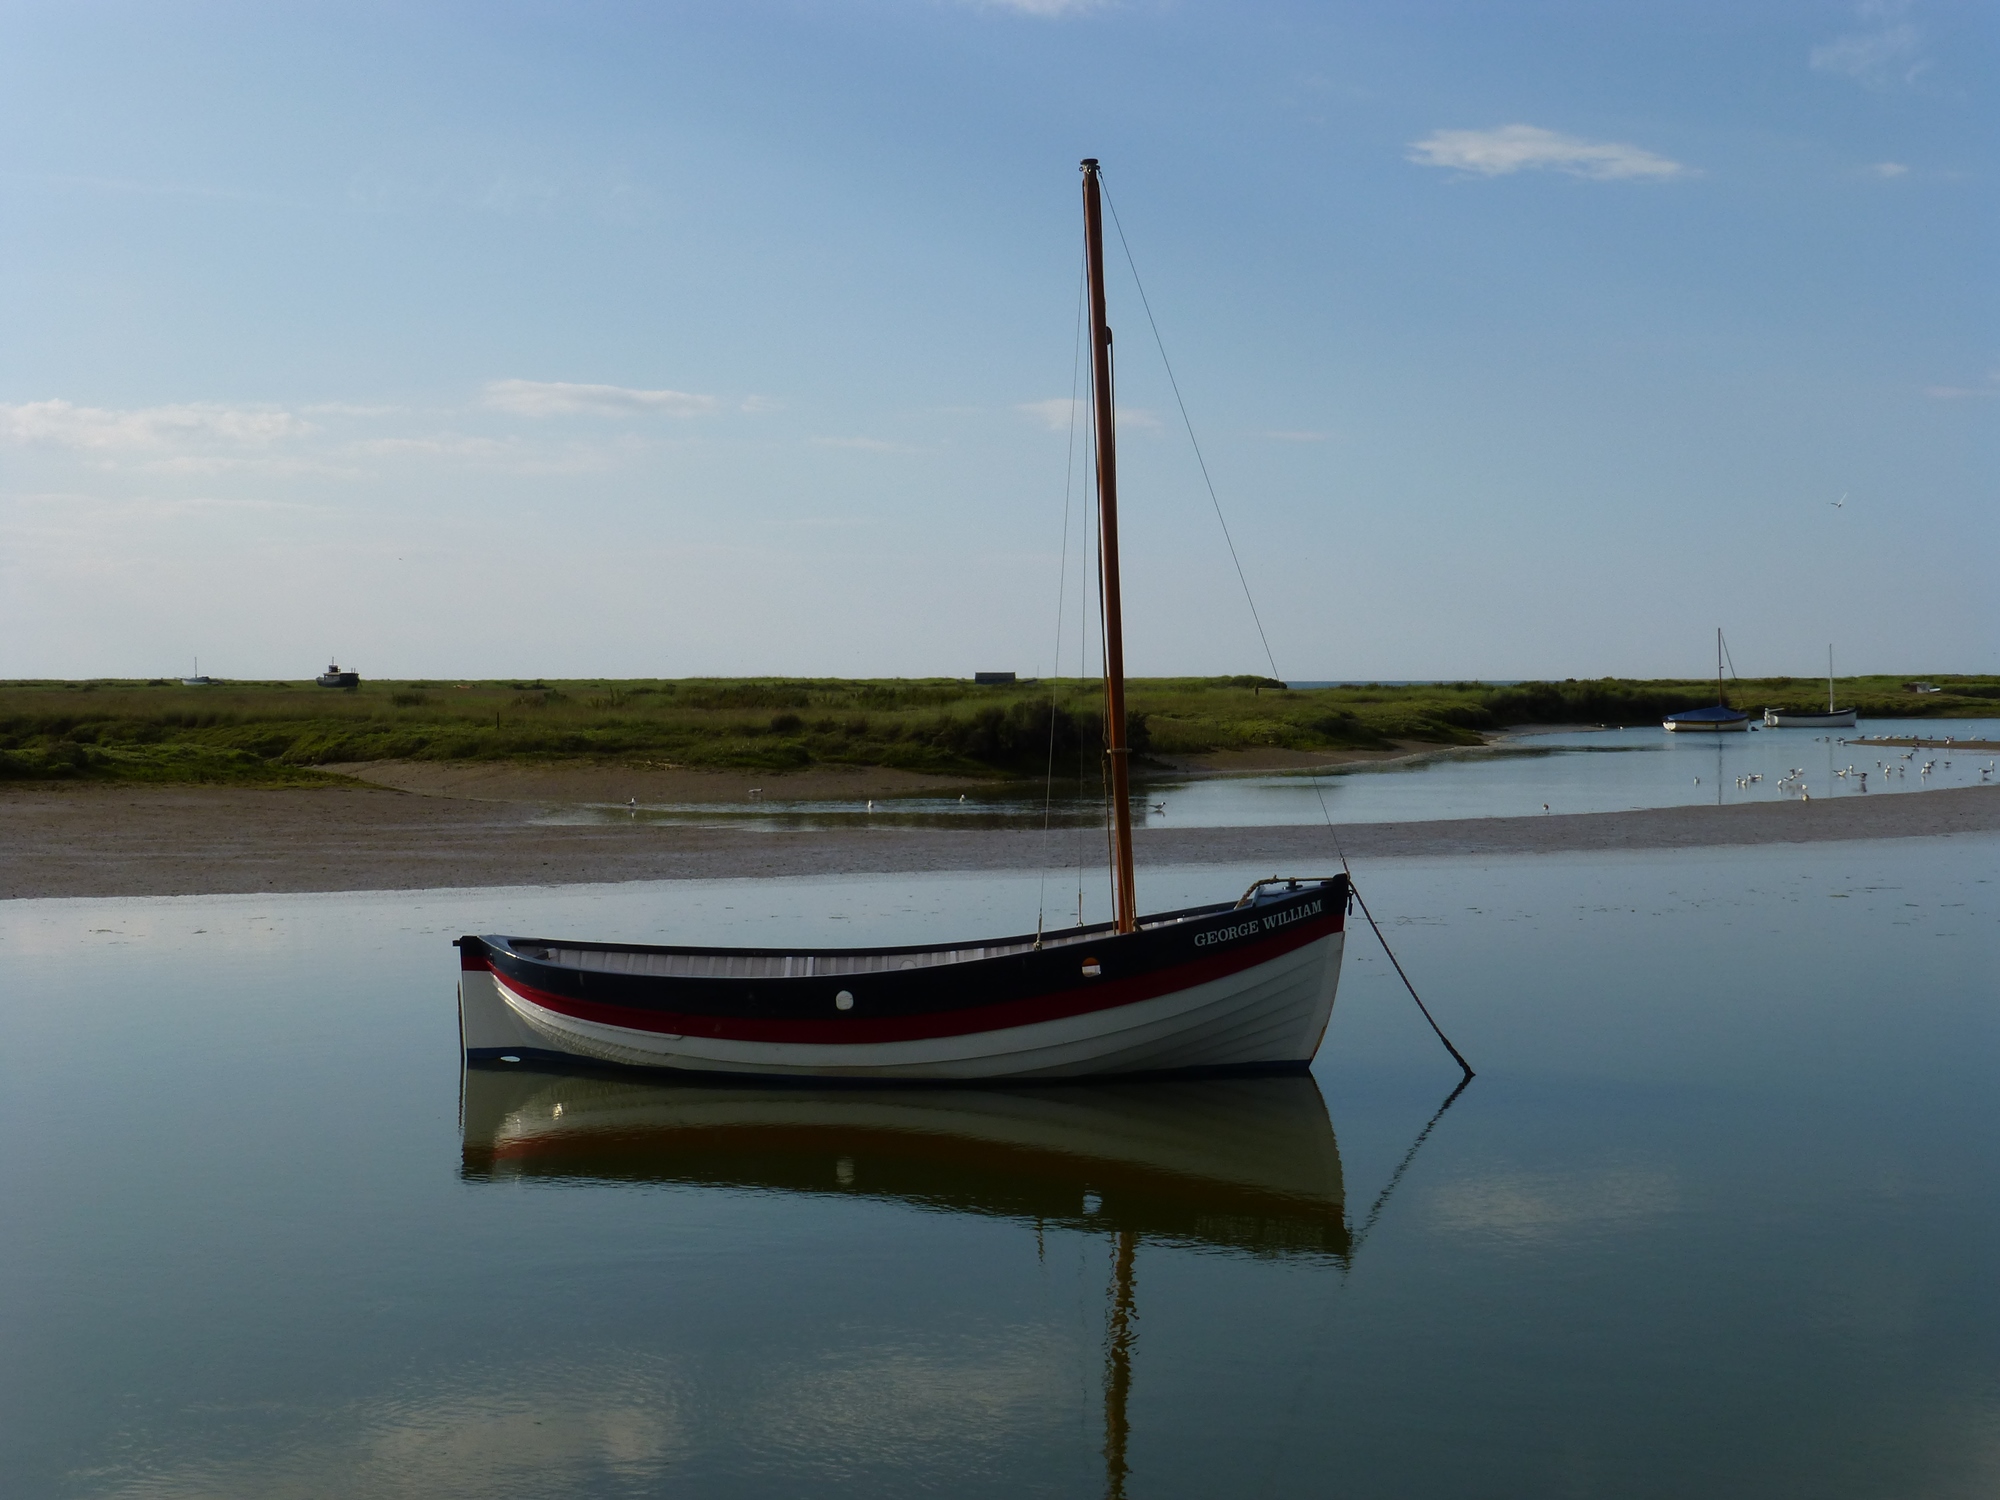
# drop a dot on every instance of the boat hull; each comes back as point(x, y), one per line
point(1707, 726)
point(1840, 718)
point(1218, 989)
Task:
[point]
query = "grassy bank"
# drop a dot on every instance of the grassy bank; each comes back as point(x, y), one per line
point(277, 732)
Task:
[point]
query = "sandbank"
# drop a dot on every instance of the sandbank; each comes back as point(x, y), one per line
point(147, 841)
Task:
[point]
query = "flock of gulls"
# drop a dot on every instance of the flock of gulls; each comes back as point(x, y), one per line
point(1793, 782)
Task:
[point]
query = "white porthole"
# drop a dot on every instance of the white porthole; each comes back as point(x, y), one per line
point(844, 1000)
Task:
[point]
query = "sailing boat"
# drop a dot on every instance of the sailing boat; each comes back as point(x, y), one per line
point(1243, 986)
point(1721, 719)
point(1833, 718)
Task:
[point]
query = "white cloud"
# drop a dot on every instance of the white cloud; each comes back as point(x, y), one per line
point(1047, 9)
point(1894, 54)
point(1888, 169)
point(439, 445)
point(1054, 414)
point(1961, 392)
point(863, 444)
point(1516, 148)
point(65, 425)
point(551, 398)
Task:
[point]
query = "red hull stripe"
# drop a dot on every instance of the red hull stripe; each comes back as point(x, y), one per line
point(854, 1028)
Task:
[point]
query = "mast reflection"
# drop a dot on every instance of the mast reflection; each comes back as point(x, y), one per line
point(1244, 1166)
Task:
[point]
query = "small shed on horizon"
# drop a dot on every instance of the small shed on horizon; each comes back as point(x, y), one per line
point(993, 679)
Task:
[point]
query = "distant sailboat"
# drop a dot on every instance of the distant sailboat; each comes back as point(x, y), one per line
point(197, 680)
point(1833, 718)
point(1721, 719)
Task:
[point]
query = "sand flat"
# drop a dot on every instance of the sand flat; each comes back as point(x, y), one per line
point(152, 841)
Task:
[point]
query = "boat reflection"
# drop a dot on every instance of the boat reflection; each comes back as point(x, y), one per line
point(1246, 1165)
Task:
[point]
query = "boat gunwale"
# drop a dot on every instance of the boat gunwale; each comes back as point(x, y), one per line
point(511, 945)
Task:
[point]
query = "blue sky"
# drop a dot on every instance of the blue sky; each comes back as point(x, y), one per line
point(504, 339)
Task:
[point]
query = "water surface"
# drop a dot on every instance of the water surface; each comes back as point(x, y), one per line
point(1611, 770)
point(1716, 1218)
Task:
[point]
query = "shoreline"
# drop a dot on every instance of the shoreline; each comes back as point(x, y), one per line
point(650, 784)
point(122, 841)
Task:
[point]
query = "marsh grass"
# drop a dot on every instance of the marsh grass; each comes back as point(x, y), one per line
point(275, 733)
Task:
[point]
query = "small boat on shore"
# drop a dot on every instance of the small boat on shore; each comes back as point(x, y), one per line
point(1721, 719)
point(334, 677)
point(1833, 718)
point(1244, 986)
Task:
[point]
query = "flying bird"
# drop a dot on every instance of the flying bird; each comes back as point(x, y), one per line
point(1841, 503)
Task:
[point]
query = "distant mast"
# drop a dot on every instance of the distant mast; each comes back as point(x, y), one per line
point(1124, 889)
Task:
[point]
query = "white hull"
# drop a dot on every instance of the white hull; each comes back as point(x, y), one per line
point(1270, 1015)
point(1842, 718)
point(1737, 726)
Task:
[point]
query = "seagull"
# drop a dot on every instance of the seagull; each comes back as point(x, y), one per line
point(1841, 503)
point(1159, 807)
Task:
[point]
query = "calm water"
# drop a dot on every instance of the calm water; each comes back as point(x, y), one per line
point(1602, 771)
point(1717, 1217)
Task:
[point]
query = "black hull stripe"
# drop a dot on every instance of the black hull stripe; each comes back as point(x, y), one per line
point(856, 1028)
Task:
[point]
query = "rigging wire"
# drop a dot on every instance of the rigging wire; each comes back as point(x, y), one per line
point(1104, 628)
point(1269, 656)
point(1062, 598)
point(1186, 422)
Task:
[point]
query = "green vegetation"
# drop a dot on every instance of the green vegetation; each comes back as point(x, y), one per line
point(275, 733)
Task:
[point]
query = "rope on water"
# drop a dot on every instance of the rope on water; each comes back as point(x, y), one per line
point(1457, 1057)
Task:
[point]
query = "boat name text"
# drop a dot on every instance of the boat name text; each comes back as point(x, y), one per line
point(1271, 923)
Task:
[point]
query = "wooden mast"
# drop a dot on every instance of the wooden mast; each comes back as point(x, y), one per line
point(1124, 892)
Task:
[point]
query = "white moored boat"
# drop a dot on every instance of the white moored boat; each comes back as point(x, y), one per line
point(1833, 718)
point(1244, 986)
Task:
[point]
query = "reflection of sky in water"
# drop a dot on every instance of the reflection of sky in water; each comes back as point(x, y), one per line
point(1730, 1151)
point(1602, 771)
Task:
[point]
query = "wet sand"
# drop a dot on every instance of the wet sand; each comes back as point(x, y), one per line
point(127, 841)
point(661, 785)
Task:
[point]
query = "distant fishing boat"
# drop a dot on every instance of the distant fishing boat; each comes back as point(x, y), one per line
point(1833, 718)
point(1721, 719)
point(334, 677)
point(1236, 986)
